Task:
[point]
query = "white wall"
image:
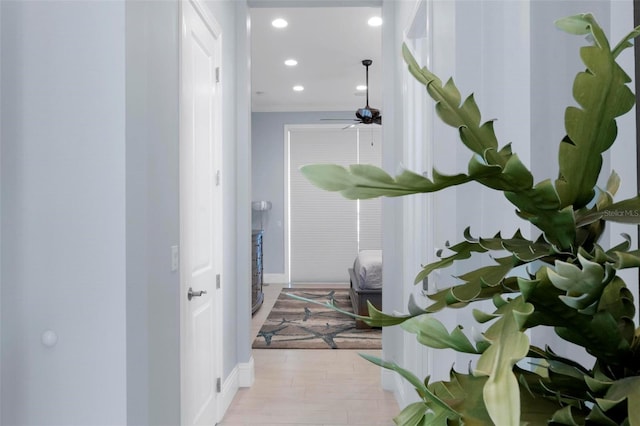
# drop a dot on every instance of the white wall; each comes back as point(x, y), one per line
point(392, 149)
point(89, 201)
point(63, 213)
point(236, 58)
point(0, 214)
point(153, 334)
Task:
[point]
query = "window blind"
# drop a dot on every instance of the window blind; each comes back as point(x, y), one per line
point(370, 211)
point(324, 227)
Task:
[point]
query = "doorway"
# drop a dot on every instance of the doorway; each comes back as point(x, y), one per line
point(328, 64)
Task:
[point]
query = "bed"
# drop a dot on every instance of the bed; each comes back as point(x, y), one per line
point(366, 283)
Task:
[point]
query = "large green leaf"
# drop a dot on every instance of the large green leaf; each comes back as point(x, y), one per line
point(601, 334)
point(363, 181)
point(625, 260)
point(625, 389)
point(578, 25)
point(431, 402)
point(539, 204)
point(584, 286)
point(535, 206)
point(415, 414)
point(508, 346)
point(460, 296)
point(432, 333)
point(464, 116)
point(462, 250)
point(603, 95)
point(523, 249)
point(463, 392)
point(377, 318)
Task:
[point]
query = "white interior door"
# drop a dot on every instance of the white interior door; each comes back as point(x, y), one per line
point(200, 216)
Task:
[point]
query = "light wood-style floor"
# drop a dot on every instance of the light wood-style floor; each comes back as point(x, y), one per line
point(310, 387)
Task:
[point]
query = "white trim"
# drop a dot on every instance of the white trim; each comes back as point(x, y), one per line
point(305, 108)
point(287, 271)
point(388, 380)
point(314, 3)
point(275, 279)
point(246, 373)
point(242, 376)
point(207, 17)
point(404, 393)
point(1, 363)
point(228, 392)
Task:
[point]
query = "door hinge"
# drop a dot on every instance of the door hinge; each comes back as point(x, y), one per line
point(217, 74)
point(218, 385)
point(217, 177)
point(218, 281)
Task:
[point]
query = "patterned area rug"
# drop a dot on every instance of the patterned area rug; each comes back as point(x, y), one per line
point(296, 324)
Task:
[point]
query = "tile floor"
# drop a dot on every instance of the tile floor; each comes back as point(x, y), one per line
point(310, 387)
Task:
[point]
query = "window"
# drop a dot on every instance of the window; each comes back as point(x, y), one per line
point(326, 231)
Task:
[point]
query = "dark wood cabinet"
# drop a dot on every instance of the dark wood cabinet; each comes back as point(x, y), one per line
point(257, 296)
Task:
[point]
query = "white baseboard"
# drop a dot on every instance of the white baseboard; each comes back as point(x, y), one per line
point(388, 379)
point(246, 374)
point(275, 278)
point(227, 393)
point(404, 393)
point(242, 376)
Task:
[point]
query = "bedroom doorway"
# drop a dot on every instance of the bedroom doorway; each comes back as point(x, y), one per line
point(329, 66)
point(324, 231)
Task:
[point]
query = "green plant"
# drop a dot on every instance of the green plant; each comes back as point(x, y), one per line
point(577, 290)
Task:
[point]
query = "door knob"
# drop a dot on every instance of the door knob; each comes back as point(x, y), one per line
point(191, 294)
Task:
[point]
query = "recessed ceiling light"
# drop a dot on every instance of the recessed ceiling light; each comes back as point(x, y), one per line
point(361, 87)
point(291, 62)
point(375, 21)
point(279, 23)
point(298, 88)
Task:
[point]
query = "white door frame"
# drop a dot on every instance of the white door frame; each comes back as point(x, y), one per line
point(215, 29)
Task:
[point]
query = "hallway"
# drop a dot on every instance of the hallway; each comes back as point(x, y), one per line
point(310, 387)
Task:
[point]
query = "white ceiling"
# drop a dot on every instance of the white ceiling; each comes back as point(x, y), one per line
point(329, 44)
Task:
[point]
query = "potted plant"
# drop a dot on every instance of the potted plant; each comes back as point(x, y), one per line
point(572, 282)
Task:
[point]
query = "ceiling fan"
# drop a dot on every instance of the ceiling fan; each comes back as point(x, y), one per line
point(366, 115)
